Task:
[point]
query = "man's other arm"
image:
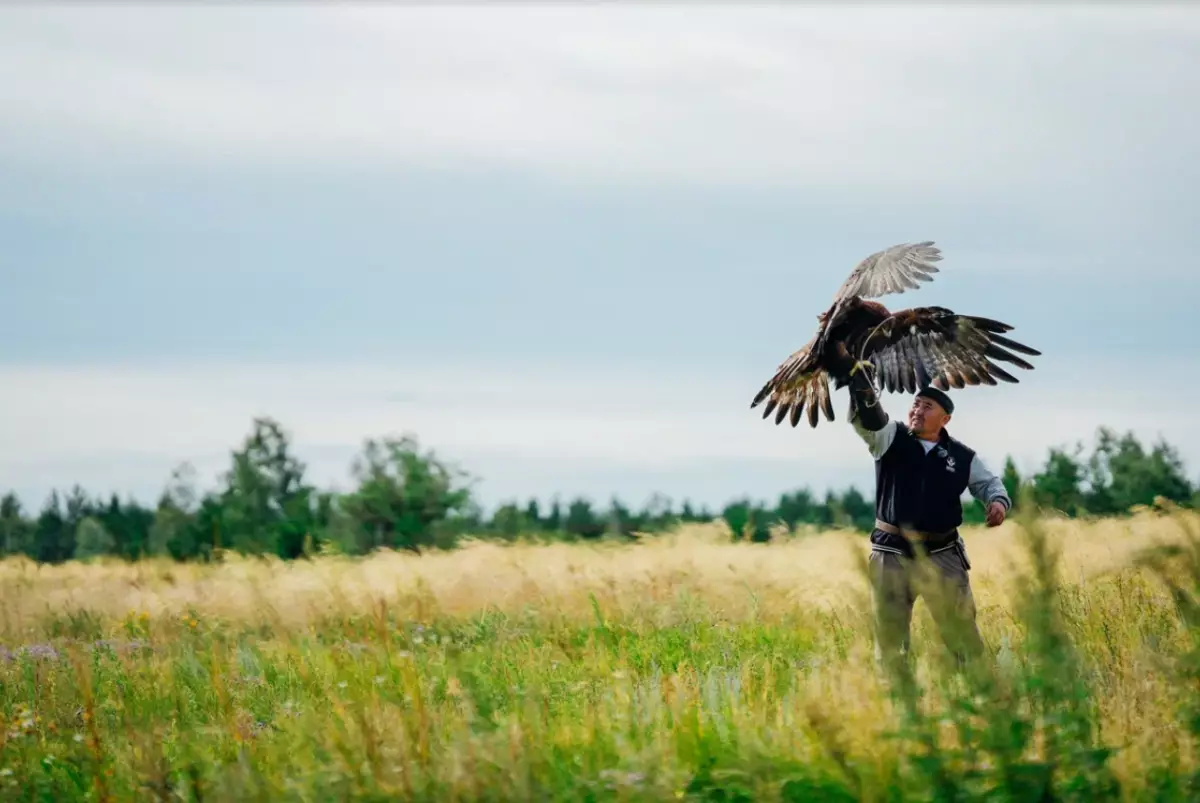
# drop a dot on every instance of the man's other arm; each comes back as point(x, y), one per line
point(985, 486)
point(868, 417)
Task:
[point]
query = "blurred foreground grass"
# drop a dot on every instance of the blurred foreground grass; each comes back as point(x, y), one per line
point(678, 667)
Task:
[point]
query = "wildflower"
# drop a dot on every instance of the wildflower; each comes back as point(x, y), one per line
point(40, 651)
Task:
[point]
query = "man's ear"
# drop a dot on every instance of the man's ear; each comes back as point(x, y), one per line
point(946, 420)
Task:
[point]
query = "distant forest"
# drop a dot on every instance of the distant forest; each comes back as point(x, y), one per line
point(409, 498)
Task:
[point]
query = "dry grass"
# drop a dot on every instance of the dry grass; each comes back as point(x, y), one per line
point(616, 671)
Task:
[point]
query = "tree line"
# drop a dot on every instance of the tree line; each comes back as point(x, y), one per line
point(405, 497)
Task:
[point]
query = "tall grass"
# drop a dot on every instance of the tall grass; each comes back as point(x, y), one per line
point(679, 667)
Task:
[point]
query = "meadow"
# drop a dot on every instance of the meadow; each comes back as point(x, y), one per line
point(682, 666)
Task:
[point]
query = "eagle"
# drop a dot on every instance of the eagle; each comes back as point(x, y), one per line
point(901, 352)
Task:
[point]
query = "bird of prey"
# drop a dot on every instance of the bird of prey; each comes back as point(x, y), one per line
point(900, 351)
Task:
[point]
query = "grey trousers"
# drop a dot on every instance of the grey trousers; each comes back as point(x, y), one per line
point(943, 581)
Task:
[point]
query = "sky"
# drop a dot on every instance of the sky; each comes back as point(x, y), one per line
point(564, 247)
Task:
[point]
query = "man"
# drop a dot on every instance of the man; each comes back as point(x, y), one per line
point(920, 475)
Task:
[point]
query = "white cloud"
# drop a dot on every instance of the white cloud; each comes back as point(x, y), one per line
point(1079, 111)
point(918, 100)
point(64, 425)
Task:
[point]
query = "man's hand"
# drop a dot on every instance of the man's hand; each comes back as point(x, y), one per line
point(995, 514)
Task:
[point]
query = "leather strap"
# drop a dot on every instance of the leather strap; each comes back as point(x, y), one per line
point(919, 536)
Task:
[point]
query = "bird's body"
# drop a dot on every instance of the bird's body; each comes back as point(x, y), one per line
point(903, 351)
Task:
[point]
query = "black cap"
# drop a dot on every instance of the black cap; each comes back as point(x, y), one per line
point(938, 396)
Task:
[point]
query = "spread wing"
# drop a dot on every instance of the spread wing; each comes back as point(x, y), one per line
point(935, 346)
point(800, 382)
point(892, 270)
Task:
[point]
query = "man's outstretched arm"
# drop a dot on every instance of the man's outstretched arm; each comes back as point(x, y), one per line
point(868, 417)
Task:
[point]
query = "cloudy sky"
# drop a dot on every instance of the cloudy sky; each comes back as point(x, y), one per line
point(564, 247)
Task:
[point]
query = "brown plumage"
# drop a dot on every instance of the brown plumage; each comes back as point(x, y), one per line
point(902, 351)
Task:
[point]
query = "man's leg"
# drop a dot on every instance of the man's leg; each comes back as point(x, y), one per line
point(952, 604)
point(892, 598)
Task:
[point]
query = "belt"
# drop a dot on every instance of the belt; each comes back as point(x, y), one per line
point(919, 536)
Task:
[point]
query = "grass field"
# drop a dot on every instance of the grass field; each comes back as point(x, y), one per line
point(679, 667)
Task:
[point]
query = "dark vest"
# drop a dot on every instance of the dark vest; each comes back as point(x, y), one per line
point(921, 491)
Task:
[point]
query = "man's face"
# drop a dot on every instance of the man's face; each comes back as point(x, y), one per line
point(926, 417)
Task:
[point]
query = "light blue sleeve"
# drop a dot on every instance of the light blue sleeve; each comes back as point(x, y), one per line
point(877, 441)
point(985, 485)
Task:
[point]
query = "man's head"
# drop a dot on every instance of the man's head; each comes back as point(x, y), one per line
point(930, 411)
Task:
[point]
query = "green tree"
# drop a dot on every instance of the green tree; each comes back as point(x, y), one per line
point(1058, 484)
point(748, 521)
point(266, 505)
point(831, 513)
point(620, 519)
point(129, 523)
point(508, 521)
point(92, 539)
point(687, 513)
point(53, 540)
point(1098, 498)
point(796, 507)
point(1124, 474)
point(174, 530)
point(16, 533)
point(554, 519)
point(533, 515)
point(582, 521)
point(405, 498)
point(859, 512)
point(656, 514)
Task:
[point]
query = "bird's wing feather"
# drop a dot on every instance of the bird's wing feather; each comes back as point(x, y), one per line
point(935, 346)
point(892, 270)
point(800, 383)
